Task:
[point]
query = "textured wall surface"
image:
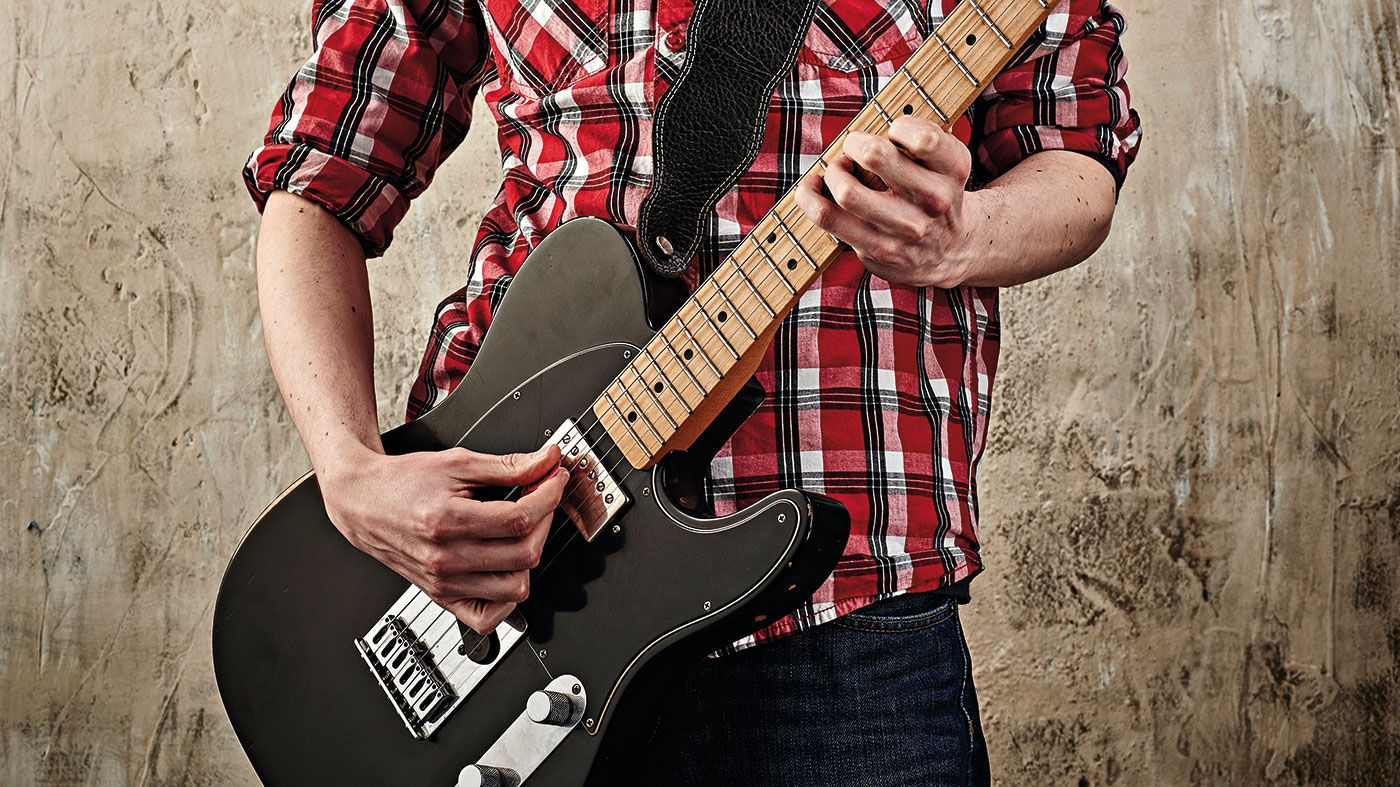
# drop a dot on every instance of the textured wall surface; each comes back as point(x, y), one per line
point(1191, 498)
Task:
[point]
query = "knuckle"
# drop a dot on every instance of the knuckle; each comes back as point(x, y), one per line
point(912, 229)
point(437, 530)
point(841, 191)
point(435, 585)
point(518, 522)
point(531, 554)
point(926, 138)
point(883, 153)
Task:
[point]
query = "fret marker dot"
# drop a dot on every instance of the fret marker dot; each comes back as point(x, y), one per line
point(792, 265)
point(772, 237)
point(658, 387)
point(971, 39)
point(908, 109)
point(632, 417)
point(723, 316)
point(688, 354)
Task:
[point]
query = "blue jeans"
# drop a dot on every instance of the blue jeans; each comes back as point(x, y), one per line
point(882, 696)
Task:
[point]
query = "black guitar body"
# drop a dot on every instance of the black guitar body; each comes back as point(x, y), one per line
point(664, 586)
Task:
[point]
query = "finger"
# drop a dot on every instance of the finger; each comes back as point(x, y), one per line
point(509, 518)
point(492, 518)
point(881, 209)
point(896, 167)
point(505, 554)
point(480, 615)
point(511, 586)
point(933, 147)
point(503, 469)
point(540, 502)
point(831, 217)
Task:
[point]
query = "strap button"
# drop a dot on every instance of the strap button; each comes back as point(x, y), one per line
point(675, 40)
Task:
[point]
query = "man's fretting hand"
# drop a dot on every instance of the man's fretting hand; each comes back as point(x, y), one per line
point(417, 514)
point(916, 232)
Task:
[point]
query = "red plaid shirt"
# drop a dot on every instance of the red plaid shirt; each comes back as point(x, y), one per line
point(878, 394)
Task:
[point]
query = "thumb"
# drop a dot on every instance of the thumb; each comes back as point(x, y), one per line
point(507, 469)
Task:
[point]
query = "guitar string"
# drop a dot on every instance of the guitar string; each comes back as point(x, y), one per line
point(912, 85)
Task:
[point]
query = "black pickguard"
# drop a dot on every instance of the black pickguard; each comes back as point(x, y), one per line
point(616, 612)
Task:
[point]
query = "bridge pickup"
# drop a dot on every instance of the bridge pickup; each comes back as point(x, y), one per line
point(593, 497)
point(416, 654)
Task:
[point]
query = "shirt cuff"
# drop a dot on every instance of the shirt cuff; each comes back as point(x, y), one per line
point(368, 205)
point(1004, 149)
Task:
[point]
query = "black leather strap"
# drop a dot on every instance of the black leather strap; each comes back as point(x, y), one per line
point(710, 122)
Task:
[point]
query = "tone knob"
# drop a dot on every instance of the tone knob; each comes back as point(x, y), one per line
point(553, 707)
point(487, 776)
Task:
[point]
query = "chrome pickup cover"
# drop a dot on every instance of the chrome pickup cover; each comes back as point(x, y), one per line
point(593, 496)
point(415, 653)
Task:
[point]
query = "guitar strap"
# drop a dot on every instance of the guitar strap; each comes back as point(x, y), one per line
point(709, 124)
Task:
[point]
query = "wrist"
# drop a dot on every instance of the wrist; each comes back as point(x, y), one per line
point(342, 462)
point(976, 236)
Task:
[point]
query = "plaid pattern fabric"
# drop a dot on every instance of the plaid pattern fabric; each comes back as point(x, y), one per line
point(879, 394)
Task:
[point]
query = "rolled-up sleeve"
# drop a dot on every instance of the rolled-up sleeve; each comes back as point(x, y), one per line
point(384, 98)
point(1066, 92)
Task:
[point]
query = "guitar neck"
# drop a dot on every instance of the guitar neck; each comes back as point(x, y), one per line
point(708, 348)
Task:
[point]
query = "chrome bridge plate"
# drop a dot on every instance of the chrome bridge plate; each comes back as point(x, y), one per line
point(416, 653)
point(593, 497)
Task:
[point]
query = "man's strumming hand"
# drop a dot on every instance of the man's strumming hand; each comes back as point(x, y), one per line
point(915, 232)
point(418, 514)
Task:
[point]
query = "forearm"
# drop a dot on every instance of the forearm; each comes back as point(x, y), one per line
point(313, 291)
point(1046, 214)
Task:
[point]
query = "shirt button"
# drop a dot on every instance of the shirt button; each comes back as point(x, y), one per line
point(675, 40)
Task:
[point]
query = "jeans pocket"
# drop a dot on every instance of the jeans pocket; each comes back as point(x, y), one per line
point(907, 612)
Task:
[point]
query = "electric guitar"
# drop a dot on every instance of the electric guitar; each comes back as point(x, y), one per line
point(333, 672)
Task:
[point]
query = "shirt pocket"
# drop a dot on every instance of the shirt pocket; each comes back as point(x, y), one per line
point(864, 36)
point(546, 46)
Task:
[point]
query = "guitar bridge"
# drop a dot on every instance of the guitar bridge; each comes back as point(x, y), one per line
point(594, 497)
point(415, 652)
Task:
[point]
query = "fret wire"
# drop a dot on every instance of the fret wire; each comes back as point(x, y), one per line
point(653, 396)
point(776, 269)
point(800, 248)
point(942, 118)
point(680, 320)
point(685, 367)
point(761, 299)
point(875, 102)
point(948, 50)
point(641, 413)
point(987, 20)
point(622, 422)
point(626, 424)
point(737, 316)
point(665, 376)
point(715, 326)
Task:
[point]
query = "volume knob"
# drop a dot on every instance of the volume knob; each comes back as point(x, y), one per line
point(487, 776)
point(553, 707)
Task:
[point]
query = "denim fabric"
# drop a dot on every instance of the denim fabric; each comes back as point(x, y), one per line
point(882, 696)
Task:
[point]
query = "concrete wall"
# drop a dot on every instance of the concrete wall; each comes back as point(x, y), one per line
point(1192, 498)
